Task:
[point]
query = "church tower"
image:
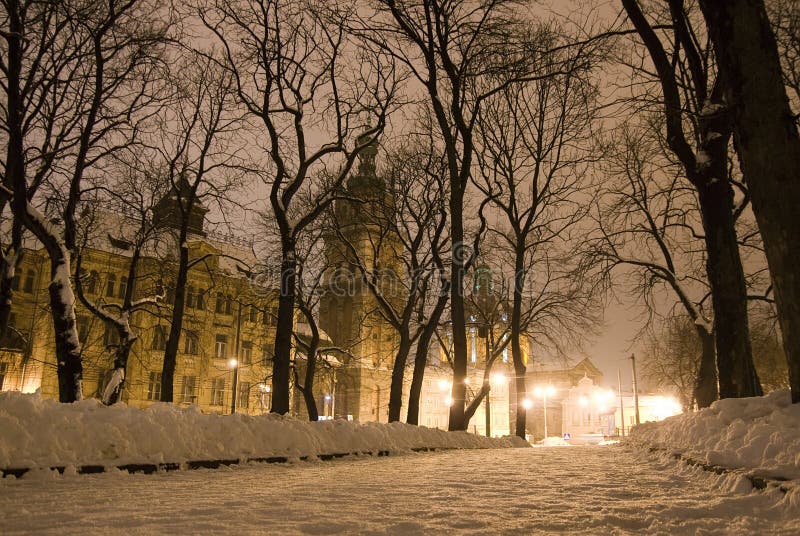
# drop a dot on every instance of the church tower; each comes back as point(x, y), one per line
point(349, 312)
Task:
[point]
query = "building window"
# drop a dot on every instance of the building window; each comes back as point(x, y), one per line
point(228, 305)
point(220, 304)
point(30, 277)
point(190, 297)
point(15, 282)
point(198, 302)
point(474, 344)
point(246, 352)
point(243, 395)
point(271, 316)
point(91, 283)
point(159, 338)
point(217, 391)
point(111, 335)
point(111, 282)
point(191, 344)
point(123, 286)
point(221, 346)
point(82, 325)
point(266, 354)
point(188, 387)
point(154, 386)
point(3, 372)
point(253, 314)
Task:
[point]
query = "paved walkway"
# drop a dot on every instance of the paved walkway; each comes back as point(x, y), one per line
point(579, 490)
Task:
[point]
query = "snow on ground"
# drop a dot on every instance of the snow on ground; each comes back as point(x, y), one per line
point(618, 489)
point(578, 490)
point(35, 432)
point(760, 434)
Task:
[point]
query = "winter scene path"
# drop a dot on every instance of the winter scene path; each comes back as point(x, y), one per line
point(588, 490)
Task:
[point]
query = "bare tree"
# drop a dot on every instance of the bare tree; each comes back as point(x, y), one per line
point(128, 201)
point(672, 358)
point(194, 151)
point(405, 223)
point(461, 52)
point(648, 223)
point(693, 94)
point(533, 150)
point(288, 64)
point(768, 145)
point(76, 76)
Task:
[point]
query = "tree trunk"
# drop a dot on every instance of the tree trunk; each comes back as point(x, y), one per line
point(398, 373)
point(113, 390)
point(421, 356)
point(460, 255)
point(737, 376)
point(68, 347)
point(307, 389)
point(281, 362)
point(769, 149)
point(705, 389)
point(475, 403)
point(176, 324)
point(7, 270)
point(516, 348)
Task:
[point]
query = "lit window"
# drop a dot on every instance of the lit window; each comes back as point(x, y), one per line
point(191, 344)
point(247, 353)
point(154, 386)
point(243, 395)
point(217, 391)
point(188, 386)
point(221, 346)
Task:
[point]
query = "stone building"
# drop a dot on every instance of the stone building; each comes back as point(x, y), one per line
point(349, 312)
point(227, 317)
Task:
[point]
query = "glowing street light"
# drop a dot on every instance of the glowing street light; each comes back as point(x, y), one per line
point(543, 391)
point(527, 403)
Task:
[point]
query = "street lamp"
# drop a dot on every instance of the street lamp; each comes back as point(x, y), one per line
point(543, 392)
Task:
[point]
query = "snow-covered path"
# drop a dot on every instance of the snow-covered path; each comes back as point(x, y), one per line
point(587, 490)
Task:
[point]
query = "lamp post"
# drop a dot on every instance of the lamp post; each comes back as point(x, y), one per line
point(543, 392)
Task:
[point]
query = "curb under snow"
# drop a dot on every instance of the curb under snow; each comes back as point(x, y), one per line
point(43, 434)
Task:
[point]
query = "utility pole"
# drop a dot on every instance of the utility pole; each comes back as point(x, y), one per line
point(621, 403)
point(635, 390)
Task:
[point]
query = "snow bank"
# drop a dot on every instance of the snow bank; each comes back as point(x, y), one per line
point(761, 434)
point(35, 432)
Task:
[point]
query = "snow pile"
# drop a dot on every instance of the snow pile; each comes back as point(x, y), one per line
point(554, 441)
point(761, 434)
point(35, 432)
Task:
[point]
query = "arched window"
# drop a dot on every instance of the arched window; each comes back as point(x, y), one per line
point(30, 277)
point(111, 283)
point(123, 286)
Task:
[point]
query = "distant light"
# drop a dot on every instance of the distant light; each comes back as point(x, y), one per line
point(327, 397)
point(542, 391)
point(448, 401)
point(527, 403)
point(233, 362)
point(583, 401)
point(444, 385)
point(664, 407)
point(498, 378)
point(264, 387)
point(466, 381)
